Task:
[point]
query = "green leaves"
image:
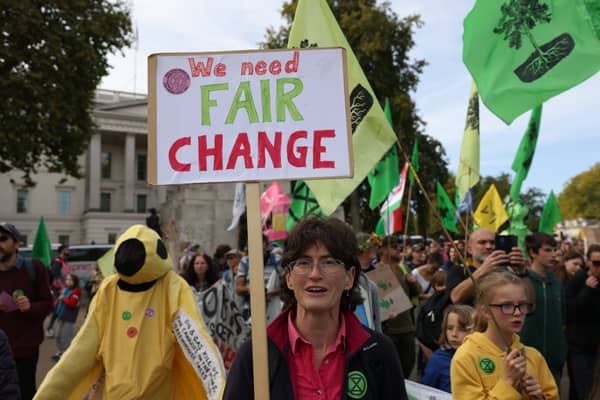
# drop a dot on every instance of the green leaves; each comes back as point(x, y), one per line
point(52, 59)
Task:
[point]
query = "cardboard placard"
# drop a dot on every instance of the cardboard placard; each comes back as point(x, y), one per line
point(392, 299)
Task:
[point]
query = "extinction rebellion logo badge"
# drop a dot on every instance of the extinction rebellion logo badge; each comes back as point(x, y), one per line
point(357, 385)
point(487, 365)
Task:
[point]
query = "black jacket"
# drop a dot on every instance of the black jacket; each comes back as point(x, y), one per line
point(583, 314)
point(370, 355)
point(9, 385)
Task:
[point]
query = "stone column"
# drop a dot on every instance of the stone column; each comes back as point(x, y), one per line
point(94, 172)
point(129, 203)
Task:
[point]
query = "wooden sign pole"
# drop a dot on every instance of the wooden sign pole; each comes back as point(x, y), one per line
point(257, 293)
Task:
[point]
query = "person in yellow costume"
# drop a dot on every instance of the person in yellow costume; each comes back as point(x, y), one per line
point(143, 337)
point(483, 368)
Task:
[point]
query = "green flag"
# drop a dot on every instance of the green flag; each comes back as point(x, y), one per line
point(550, 215)
point(42, 249)
point(303, 203)
point(372, 136)
point(525, 153)
point(523, 52)
point(447, 210)
point(384, 176)
point(414, 160)
point(467, 174)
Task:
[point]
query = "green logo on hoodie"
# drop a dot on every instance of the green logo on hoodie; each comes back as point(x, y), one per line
point(357, 385)
point(487, 365)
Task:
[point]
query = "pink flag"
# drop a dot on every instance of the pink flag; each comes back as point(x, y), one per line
point(274, 207)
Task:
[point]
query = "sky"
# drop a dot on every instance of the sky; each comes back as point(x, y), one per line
point(568, 143)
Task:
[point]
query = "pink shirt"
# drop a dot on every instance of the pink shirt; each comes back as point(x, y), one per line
point(309, 382)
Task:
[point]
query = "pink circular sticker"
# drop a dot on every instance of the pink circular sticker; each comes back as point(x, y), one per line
point(150, 312)
point(176, 81)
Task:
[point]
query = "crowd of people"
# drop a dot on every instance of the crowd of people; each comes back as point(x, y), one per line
point(484, 323)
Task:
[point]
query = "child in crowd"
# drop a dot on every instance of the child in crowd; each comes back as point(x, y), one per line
point(457, 323)
point(484, 367)
point(67, 308)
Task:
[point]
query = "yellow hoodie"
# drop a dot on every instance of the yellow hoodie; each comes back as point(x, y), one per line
point(477, 369)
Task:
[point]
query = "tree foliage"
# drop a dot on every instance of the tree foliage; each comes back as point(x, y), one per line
point(581, 195)
point(382, 41)
point(52, 57)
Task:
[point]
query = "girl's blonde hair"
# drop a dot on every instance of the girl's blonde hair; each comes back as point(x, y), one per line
point(465, 321)
point(486, 289)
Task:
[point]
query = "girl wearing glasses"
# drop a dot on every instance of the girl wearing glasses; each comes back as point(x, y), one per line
point(317, 347)
point(483, 368)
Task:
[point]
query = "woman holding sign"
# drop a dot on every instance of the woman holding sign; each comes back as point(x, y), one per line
point(317, 347)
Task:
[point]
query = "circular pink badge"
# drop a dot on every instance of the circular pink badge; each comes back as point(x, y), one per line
point(150, 312)
point(176, 81)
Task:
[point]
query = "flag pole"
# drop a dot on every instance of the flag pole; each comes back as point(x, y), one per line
point(257, 293)
point(407, 217)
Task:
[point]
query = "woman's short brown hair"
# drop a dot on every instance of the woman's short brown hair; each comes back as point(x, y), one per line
point(338, 238)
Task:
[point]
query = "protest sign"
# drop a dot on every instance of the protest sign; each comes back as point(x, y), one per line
point(223, 319)
point(392, 299)
point(417, 391)
point(248, 116)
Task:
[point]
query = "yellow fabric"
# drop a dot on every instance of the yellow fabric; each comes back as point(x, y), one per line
point(490, 213)
point(131, 340)
point(469, 381)
point(467, 174)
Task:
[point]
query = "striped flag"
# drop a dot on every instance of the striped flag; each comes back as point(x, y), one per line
point(391, 211)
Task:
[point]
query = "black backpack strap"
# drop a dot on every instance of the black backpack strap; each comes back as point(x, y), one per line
point(31, 270)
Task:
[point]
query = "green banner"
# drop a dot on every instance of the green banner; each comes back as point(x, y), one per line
point(523, 52)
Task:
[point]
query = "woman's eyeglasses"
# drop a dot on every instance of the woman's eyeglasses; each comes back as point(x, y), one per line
point(510, 308)
point(327, 265)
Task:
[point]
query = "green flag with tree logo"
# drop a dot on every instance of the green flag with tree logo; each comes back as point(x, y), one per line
point(523, 52)
point(550, 215)
point(384, 177)
point(372, 136)
point(447, 210)
point(42, 249)
point(303, 204)
point(525, 153)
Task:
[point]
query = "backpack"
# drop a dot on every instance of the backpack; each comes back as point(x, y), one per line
point(429, 320)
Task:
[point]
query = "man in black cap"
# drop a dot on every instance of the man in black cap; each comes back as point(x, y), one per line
point(25, 301)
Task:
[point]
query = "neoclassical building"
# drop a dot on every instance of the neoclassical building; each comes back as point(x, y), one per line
point(113, 193)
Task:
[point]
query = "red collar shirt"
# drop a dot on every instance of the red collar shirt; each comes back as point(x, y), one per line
point(310, 383)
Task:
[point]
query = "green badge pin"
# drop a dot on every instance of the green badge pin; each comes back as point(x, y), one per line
point(17, 293)
point(487, 365)
point(126, 315)
point(357, 385)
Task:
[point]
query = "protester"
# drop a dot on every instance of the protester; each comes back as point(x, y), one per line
point(583, 324)
point(416, 257)
point(26, 301)
point(317, 347)
point(401, 328)
point(456, 325)
point(571, 263)
point(453, 258)
point(9, 385)
point(424, 273)
point(67, 308)
point(485, 259)
point(219, 258)
point(143, 337)
point(58, 270)
point(271, 265)
point(200, 273)
point(543, 329)
point(430, 317)
point(483, 368)
point(368, 312)
point(579, 246)
point(188, 253)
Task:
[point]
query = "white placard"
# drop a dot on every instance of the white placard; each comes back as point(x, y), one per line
point(248, 116)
